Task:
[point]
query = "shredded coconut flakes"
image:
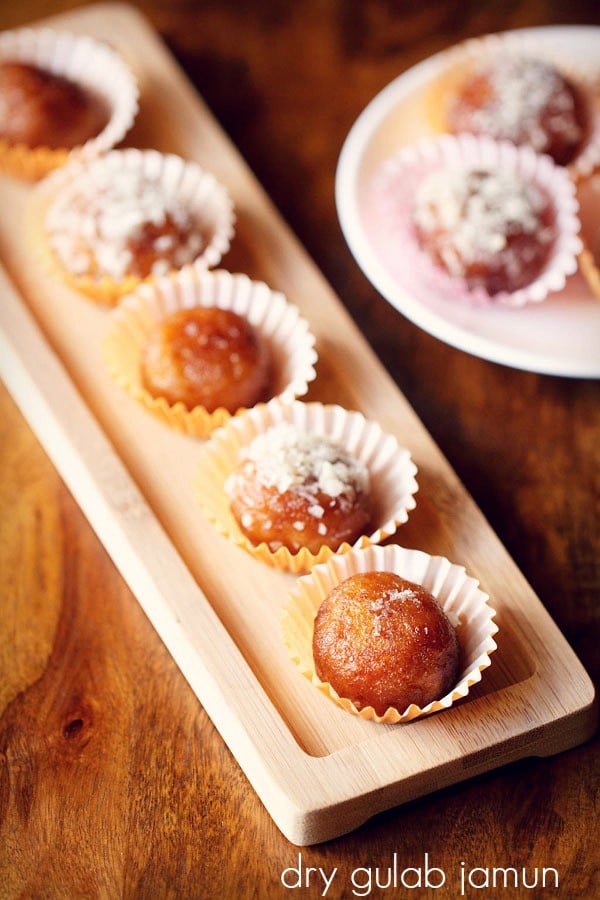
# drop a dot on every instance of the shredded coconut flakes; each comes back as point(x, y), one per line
point(286, 459)
point(522, 90)
point(94, 219)
point(478, 211)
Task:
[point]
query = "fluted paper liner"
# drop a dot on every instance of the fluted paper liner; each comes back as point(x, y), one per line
point(390, 466)
point(465, 57)
point(198, 190)
point(90, 64)
point(390, 211)
point(276, 320)
point(457, 592)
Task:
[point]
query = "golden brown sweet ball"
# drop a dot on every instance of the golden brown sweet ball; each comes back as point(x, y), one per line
point(299, 490)
point(206, 356)
point(163, 246)
point(492, 229)
point(382, 641)
point(525, 101)
point(40, 109)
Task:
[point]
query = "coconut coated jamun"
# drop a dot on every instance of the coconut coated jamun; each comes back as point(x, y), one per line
point(526, 101)
point(116, 224)
point(297, 490)
point(381, 641)
point(491, 229)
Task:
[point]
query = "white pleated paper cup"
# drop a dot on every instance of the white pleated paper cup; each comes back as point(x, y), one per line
point(459, 595)
point(390, 209)
point(390, 468)
point(277, 322)
point(89, 63)
point(469, 57)
point(184, 183)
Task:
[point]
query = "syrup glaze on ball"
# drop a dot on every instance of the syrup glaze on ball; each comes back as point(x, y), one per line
point(492, 229)
point(299, 490)
point(526, 101)
point(40, 109)
point(382, 641)
point(206, 356)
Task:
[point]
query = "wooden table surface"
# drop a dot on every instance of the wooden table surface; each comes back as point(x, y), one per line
point(114, 782)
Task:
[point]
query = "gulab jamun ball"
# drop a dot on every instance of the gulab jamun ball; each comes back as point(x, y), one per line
point(115, 224)
point(492, 229)
point(206, 356)
point(41, 109)
point(299, 490)
point(523, 100)
point(381, 641)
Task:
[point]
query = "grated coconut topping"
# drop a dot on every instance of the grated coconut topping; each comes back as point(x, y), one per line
point(92, 222)
point(523, 91)
point(478, 212)
point(286, 459)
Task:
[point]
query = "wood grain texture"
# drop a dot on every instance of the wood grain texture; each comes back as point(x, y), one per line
point(78, 648)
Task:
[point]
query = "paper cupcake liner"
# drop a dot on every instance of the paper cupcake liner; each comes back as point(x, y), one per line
point(390, 466)
point(588, 194)
point(460, 60)
point(207, 200)
point(275, 319)
point(457, 592)
point(86, 62)
point(389, 214)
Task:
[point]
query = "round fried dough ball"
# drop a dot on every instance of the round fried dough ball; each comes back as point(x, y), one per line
point(114, 223)
point(206, 356)
point(155, 248)
point(40, 109)
point(525, 101)
point(299, 490)
point(382, 641)
point(492, 229)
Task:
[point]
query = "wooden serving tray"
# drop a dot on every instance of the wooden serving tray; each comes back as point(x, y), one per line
point(319, 771)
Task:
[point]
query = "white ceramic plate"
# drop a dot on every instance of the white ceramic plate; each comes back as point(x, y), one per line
point(560, 336)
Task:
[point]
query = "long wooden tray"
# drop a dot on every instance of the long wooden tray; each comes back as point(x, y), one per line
point(319, 771)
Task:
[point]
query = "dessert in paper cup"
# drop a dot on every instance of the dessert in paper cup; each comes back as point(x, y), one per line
point(532, 93)
point(196, 347)
point(469, 219)
point(390, 622)
point(294, 483)
point(112, 223)
point(62, 95)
